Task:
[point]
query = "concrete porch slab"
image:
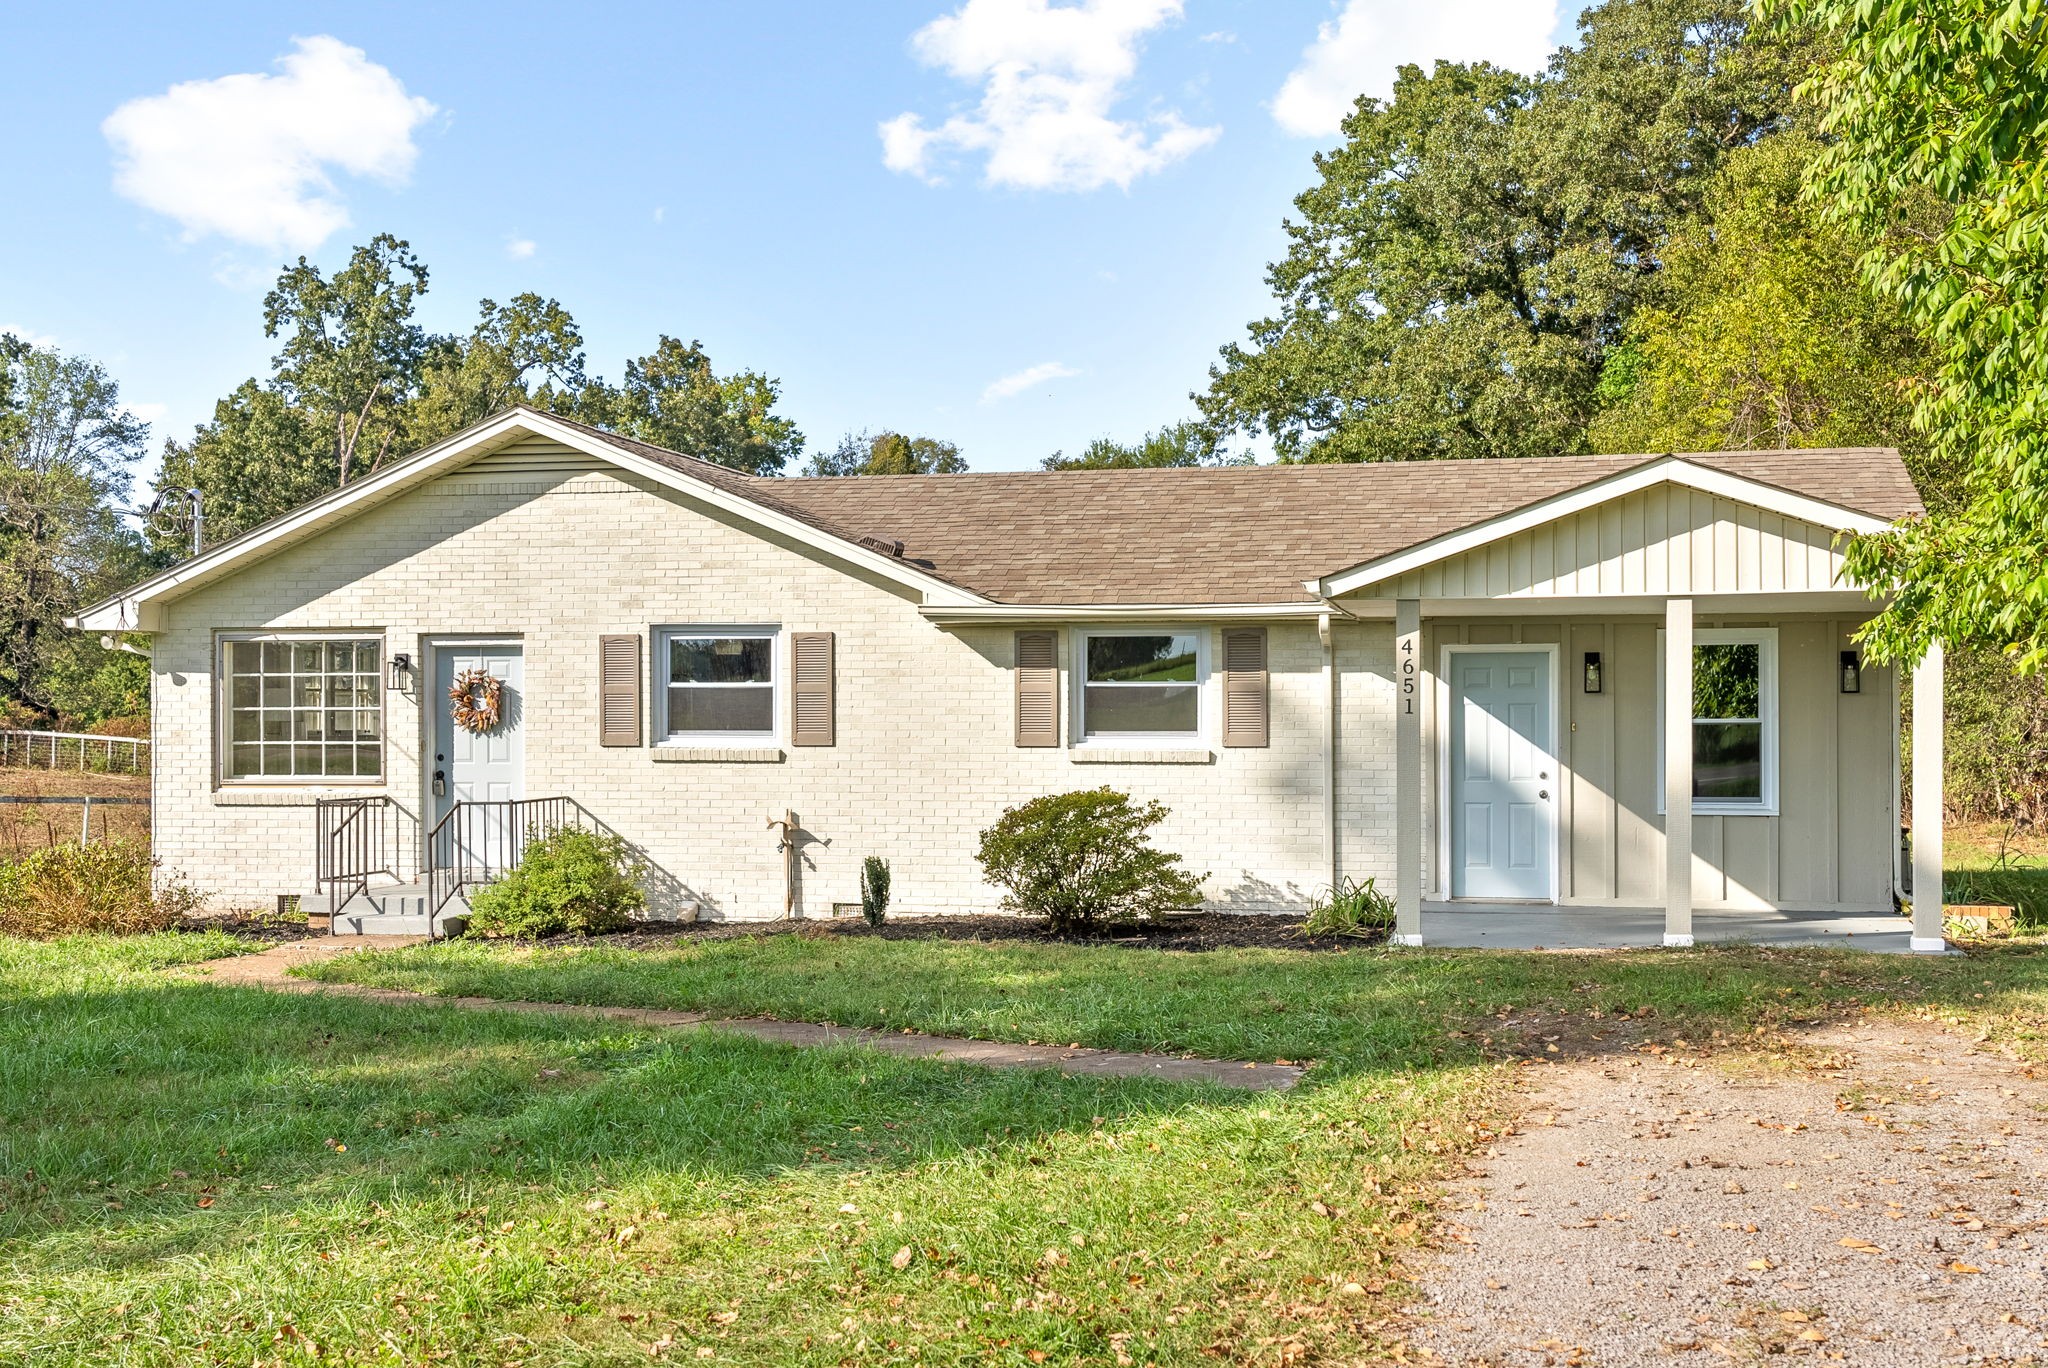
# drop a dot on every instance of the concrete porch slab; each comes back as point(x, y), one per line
point(1510, 926)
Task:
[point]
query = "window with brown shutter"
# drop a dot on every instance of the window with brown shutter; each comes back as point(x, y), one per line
point(1038, 688)
point(618, 688)
point(810, 655)
point(1244, 687)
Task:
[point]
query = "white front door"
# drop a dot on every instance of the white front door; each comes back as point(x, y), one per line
point(478, 767)
point(1502, 776)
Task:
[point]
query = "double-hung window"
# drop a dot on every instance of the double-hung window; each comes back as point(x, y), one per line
point(304, 709)
point(1142, 686)
point(718, 684)
point(1734, 721)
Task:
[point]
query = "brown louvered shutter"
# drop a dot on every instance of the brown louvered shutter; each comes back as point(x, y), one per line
point(1244, 687)
point(1038, 688)
point(618, 689)
point(810, 655)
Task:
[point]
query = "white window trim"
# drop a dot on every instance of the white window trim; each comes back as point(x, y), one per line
point(223, 710)
point(666, 738)
point(1766, 639)
point(1196, 740)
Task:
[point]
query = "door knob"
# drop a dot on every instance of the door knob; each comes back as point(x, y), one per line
point(1544, 775)
point(1543, 794)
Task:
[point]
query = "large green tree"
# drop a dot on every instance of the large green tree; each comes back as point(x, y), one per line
point(358, 381)
point(1760, 333)
point(1456, 277)
point(673, 398)
point(67, 451)
point(1950, 97)
point(1178, 444)
point(888, 453)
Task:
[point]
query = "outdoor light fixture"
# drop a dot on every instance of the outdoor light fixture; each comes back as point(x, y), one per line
point(1592, 672)
point(1852, 673)
point(401, 672)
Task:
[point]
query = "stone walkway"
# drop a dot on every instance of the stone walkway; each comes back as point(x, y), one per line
point(270, 968)
point(1884, 1203)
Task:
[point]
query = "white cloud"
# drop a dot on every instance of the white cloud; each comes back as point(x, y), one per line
point(660, 213)
point(1051, 75)
point(149, 413)
point(519, 249)
point(1356, 53)
point(29, 335)
point(248, 156)
point(1010, 386)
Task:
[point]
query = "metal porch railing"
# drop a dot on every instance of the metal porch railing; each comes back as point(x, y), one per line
point(351, 844)
point(481, 841)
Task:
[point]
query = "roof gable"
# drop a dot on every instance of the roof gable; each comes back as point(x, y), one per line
point(728, 490)
point(1612, 536)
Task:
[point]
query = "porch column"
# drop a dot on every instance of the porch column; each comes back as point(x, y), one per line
point(1678, 771)
point(1408, 772)
point(1927, 803)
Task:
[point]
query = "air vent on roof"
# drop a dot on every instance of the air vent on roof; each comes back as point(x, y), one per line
point(888, 546)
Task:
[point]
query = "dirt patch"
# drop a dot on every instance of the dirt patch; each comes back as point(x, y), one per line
point(31, 826)
point(1885, 1202)
point(1204, 931)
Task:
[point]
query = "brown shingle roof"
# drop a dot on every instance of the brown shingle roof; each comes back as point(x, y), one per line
point(1246, 534)
point(1241, 534)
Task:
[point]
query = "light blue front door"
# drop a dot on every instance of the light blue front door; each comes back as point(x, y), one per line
point(1503, 778)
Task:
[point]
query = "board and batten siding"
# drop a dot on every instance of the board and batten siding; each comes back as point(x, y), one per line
point(1666, 540)
point(1832, 844)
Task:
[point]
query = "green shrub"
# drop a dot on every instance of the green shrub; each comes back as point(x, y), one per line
point(1351, 908)
point(572, 881)
point(1080, 859)
point(110, 887)
point(2011, 881)
point(874, 889)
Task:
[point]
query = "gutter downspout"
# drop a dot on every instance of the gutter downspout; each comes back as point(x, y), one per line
point(1329, 640)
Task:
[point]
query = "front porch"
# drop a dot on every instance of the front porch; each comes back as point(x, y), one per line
point(1637, 714)
point(1518, 926)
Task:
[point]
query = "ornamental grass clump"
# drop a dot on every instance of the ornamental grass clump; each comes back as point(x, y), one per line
point(570, 882)
point(1084, 859)
point(110, 888)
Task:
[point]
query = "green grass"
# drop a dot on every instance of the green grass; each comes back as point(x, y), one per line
point(1991, 863)
point(1367, 1009)
point(198, 1174)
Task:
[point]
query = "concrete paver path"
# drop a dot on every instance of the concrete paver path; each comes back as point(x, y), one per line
point(1884, 1202)
point(270, 969)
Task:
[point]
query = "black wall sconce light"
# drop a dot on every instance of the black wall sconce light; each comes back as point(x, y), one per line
point(1852, 672)
point(401, 672)
point(1593, 672)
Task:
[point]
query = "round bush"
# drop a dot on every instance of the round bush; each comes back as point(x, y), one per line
point(1080, 859)
point(572, 881)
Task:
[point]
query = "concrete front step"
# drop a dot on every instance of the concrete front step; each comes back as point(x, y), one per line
point(395, 910)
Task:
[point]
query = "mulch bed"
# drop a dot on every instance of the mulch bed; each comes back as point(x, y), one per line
point(1202, 931)
point(267, 928)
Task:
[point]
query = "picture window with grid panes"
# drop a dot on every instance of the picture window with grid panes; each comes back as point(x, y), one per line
point(305, 709)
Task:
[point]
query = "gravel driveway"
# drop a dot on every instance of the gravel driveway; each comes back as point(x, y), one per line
point(1883, 1203)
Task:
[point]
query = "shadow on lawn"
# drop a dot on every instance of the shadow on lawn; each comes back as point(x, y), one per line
point(185, 1102)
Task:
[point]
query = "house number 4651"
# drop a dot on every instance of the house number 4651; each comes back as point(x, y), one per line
point(1408, 677)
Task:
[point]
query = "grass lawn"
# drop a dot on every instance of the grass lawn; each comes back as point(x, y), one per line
point(201, 1174)
point(1989, 862)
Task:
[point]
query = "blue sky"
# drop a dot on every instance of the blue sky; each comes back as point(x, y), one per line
point(1014, 224)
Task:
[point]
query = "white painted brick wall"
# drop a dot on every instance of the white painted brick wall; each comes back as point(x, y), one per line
point(924, 758)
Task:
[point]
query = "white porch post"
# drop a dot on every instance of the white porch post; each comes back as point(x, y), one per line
point(1927, 803)
point(1408, 772)
point(1678, 771)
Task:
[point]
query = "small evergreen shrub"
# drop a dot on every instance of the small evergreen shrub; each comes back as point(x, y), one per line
point(1081, 859)
point(1351, 908)
point(572, 881)
point(110, 888)
point(874, 889)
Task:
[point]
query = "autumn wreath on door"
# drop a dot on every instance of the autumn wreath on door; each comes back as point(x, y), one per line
point(476, 699)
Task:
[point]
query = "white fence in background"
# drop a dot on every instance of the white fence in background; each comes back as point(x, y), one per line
point(73, 751)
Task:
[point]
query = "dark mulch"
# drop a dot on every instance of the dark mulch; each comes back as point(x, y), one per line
point(268, 928)
point(1202, 931)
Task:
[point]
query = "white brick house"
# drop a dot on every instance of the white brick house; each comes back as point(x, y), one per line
point(1447, 676)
